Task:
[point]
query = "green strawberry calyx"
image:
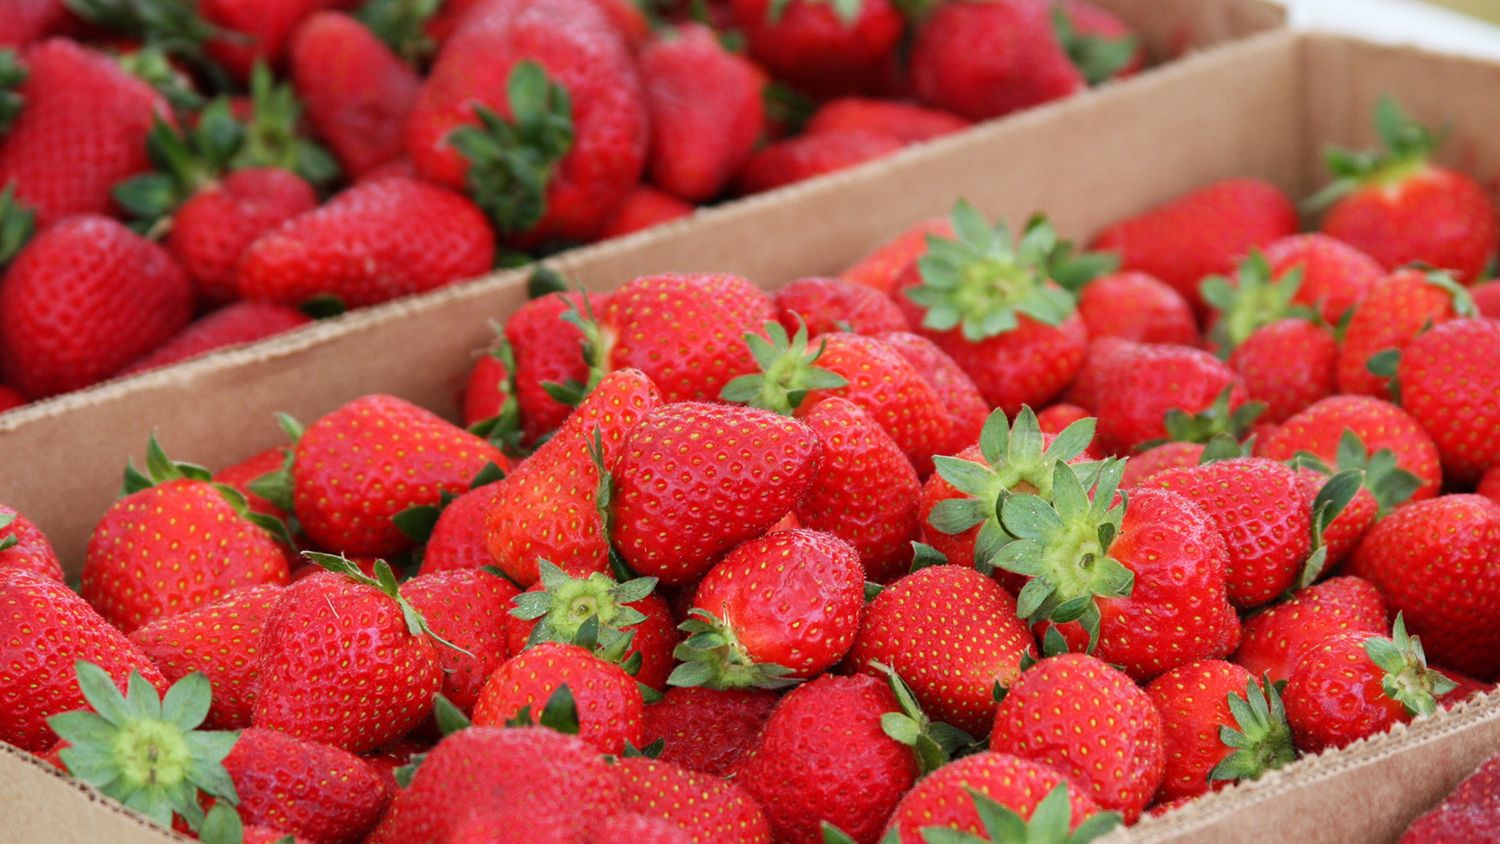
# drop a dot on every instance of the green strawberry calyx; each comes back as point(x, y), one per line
point(1389, 483)
point(174, 27)
point(503, 430)
point(1051, 822)
point(592, 611)
point(511, 162)
point(385, 581)
point(1332, 499)
point(402, 25)
point(559, 713)
point(713, 656)
point(1017, 459)
point(147, 751)
point(932, 743)
point(594, 348)
point(1407, 680)
point(1062, 547)
point(1097, 57)
point(12, 77)
point(9, 541)
point(17, 225)
point(276, 486)
point(1260, 739)
point(983, 281)
point(1408, 147)
point(161, 469)
point(847, 11)
point(1252, 300)
point(418, 521)
point(789, 371)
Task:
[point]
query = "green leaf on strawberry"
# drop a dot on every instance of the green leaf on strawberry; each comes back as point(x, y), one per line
point(385, 581)
point(1261, 739)
point(712, 656)
point(1407, 679)
point(560, 713)
point(788, 371)
point(1332, 498)
point(1252, 300)
point(933, 743)
point(1379, 473)
point(17, 222)
point(402, 25)
point(1408, 145)
point(1203, 426)
point(591, 611)
point(448, 717)
point(174, 27)
point(12, 77)
point(1051, 821)
point(1097, 57)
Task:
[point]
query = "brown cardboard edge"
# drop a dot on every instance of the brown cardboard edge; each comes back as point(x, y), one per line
point(48, 806)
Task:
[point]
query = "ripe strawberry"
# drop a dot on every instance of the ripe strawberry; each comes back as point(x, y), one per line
point(1357, 684)
point(1275, 639)
point(706, 807)
point(84, 299)
point(1055, 418)
point(825, 49)
point(743, 469)
point(1220, 725)
point(643, 208)
point(805, 157)
point(221, 641)
point(1466, 814)
point(358, 93)
point(1335, 275)
point(1399, 207)
point(708, 730)
point(234, 325)
point(1287, 365)
point(27, 21)
point(457, 540)
point(489, 404)
point(949, 799)
point(1102, 354)
point(1487, 298)
point(548, 349)
point(1434, 561)
point(10, 398)
point(310, 790)
point(1201, 233)
point(469, 608)
point(346, 660)
point(967, 409)
point(706, 111)
point(44, 629)
point(608, 701)
point(548, 508)
point(1379, 426)
point(884, 267)
point(1399, 308)
point(1071, 709)
point(1141, 388)
point(990, 303)
point(1489, 485)
point(824, 758)
point(909, 123)
point(1449, 380)
point(1138, 307)
point(1145, 465)
point(952, 634)
point(1341, 535)
point(23, 546)
point(243, 474)
point(81, 129)
point(636, 828)
point(828, 305)
point(373, 242)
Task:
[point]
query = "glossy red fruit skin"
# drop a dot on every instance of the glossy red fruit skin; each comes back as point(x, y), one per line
point(548, 349)
point(85, 298)
point(221, 641)
point(44, 629)
point(1450, 383)
point(1435, 561)
point(829, 305)
point(638, 828)
point(239, 476)
point(487, 390)
point(1379, 424)
point(339, 666)
point(1343, 534)
point(644, 208)
point(884, 267)
point(1145, 465)
point(1467, 814)
point(253, 31)
point(357, 92)
point(1335, 696)
point(457, 541)
point(1275, 639)
point(1335, 275)
point(1487, 298)
point(1139, 307)
point(469, 608)
point(909, 123)
point(707, 807)
point(1288, 365)
point(983, 60)
point(375, 241)
point(31, 20)
point(823, 756)
point(951, 633)
point(32, 552)
point(234, 325)
point(804, 157)
point(1489, 485)
point(1437, 216)
point(967, 409)
point(1073, 710)
point(1193, 701)
point(1399, 308)
point(310, 790)
point(654, 639)
point(608, 700)
point(214, 228)
point(808, 45)
point(942, 798)
point(1145, 382)
point(708, 730)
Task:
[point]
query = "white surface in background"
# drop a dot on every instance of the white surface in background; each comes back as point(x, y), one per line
point(1399, 22)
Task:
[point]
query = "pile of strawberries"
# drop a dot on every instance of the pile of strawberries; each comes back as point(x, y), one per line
point(985, 535)
point(180, 177)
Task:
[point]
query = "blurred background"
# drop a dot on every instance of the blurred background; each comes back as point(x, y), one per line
point(1471, 27)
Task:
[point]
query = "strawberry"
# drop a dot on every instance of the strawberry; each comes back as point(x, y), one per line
point(1055, 418)
point(234, 325)
point(884, 267)
point(643, 208)
point(828, 305)
point(1357, 684)
point(1102, 354)
point(1466, 814)
point(44, 629)
point(489, 404)
point(990, 302)
point(1399, 308)
point(1449, 378)
point(706, 807)
point(221, 641)
point(1487, 298)
point(457, 540)
point(346, 660)
point(243, 474)
point(805, 157)
point(1071, 709)
point(1434, 561)
point(1138, 307)
point(1150, 393)
point(825, 48)
point(708, 730)
point(81, 129)
point(824, 758)
point(311, 790)
point(968, 794)
point(1275, 639)
point(1220, 725)
point(1103, 32)
point(1287, 365)
point(23, 546)
point(175, 541)
point(373, 242)
point(743, 469)
point(10, 398)
point(548, 507)
point(967, 409)
point(1378, 426)
point(706, 111)
point(468, 608)
point(1201, 233)
point(31, 20)
point(607, 699)
point(1399, 207)
point(1145, 465)
point(636, 828)
point(951, 633)
point(908, 123)
point(548, 349)
point(1335, 275)
point(1489, 485)
point(358, 93)
point(1340, 535)
point(84, 299)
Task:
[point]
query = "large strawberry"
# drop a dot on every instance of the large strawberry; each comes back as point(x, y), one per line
point(311, 790)
point(1135, 306)
point(1386, 437)
point(1276, 638)
point(232, 325)
point(608, 702)
point(705, 729)
point(1287, 365)
point(467, 607)
point(706, 807)
point(825, 48)
point(1148, 393)
point(24, 547)
point(1449, 380)
point(1403, 305)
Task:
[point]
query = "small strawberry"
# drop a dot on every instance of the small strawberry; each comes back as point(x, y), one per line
point(1138, 307)
point(967, 409)
point(234, 325)
point(457, 540)
point(644, 208)
point(1403, 305)
point(706, 807)
point(1378, 427)
point(311, 790)
point(548, 349)
point(489, 404)
point(23, 546)
point(1274, 640)
point(608, 701)
point(1382, 486)
point(798, 159)
point(468, 608)
point(1145, 465)
point(826, 48)
point(1151, 393)
point(708, 730)
point(1335, 275)
point(1449, 379)
point(828, 305)
point(883, 268)
point(241, 475)
point(1287, 365)
point(910, 123)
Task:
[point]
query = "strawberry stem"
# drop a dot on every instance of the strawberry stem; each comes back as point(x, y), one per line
point(1261, 739)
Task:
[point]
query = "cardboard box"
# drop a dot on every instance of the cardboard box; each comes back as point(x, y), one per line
point(1264, 107)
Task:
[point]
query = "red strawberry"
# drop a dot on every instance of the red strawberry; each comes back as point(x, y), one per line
point(220, 640)
point(346, 660)
point(235, 325)
point(44, 629)
point(310, 790)
point(805, 157)
point(636, 828)
point(1102, 355)
point(375, 241)
point(489, 394)
point(1335, 275)
point(948, 799)
point(1287, 365)
point(820, 47)
point(548, 507)
point(705, 729)
point(457, 540)
point(706, 111)
point(1275, 639)
point(358, 93)
point(1140, 388)
point(252, 32)
point(548, 349)
point(1137, 306)
point(1396, 311)
point(240, 476)
point(1450, 380)
point(1378, 425)
point(1435, 562)
point(607, 699)
point(884, 267)
point(1487, 298)
point(909, 123)
point(1072, 709)
point(1489, 485)
point(1341, 535)
point(212, 229)
point(708, 808)
point(1399, 207)
point(952, 634)
point(469, 608)
point(1206, 702)
point(23, 546)
point(10, 398)
point(644, 208)
point(1201, 233)
point(1145, 465)
point(1467, 814)
point(1358, 684)
point(84, 299)
point(828, 305)
point(967, 409)
point(31, 20)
